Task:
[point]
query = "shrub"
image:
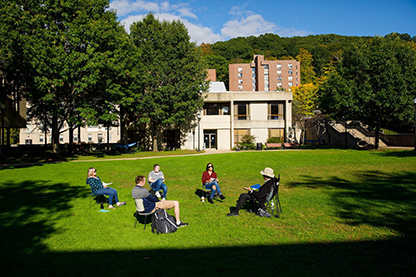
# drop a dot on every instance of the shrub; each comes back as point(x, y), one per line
point(247, 142)
point(275, 140)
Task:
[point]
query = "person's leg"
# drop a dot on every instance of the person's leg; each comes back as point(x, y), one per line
point(165, 190)
point(156, 185)
point(108, 192)
point(241, 200)
point(115, 194)
point(169, 204)
point(213, 187)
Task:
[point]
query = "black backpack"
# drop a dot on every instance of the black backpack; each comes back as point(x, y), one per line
point(163, 223)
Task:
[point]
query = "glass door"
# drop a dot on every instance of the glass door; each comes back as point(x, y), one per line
point(210, 139)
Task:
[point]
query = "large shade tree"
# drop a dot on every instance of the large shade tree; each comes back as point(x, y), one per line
point(70, 51)
point(173, 78)
point(373, 83)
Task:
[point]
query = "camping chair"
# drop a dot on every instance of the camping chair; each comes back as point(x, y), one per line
point(99, 199)
point(207, 191)
point(140, 211)
point(272, 200)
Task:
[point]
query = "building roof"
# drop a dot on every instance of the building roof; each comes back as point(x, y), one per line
point(217, 87)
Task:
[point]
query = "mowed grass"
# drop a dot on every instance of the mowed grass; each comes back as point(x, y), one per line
point(345, 213)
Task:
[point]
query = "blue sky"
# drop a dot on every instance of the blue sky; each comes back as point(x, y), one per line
point(211, 20)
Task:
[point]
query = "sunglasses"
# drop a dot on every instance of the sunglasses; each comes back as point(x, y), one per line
point(95, 170)
point(210, 166)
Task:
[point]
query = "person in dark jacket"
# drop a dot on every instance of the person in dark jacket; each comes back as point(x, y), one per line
point(252, 195)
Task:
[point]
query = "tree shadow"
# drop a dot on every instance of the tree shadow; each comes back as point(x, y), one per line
point(377, 198)
point(23, 253)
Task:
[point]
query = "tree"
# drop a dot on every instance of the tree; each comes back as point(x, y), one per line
point(374, 83)
point(305, 100)
point(173, 78)
point(70, 47)
point(308, 73)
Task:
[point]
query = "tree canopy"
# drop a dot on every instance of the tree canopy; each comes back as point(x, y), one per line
point(374, 83)
point(174, 75)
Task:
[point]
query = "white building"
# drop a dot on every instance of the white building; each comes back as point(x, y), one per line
point(229, 115)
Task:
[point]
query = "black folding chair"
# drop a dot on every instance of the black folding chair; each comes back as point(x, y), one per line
point(272, 203)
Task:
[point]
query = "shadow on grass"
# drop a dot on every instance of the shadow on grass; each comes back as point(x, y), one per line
point(379, 199)
point(23, 253)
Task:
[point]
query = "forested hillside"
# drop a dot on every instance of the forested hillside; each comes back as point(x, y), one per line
point(323, 48)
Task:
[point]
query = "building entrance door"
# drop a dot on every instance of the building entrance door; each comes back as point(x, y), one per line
point(210, 139)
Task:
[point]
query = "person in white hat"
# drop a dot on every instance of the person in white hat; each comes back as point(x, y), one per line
point(252, 195)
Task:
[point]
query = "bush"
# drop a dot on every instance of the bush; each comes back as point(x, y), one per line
point(247, 142)
point(275, 140)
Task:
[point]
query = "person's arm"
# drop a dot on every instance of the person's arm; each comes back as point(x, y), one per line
point(264, 189)
point(205, 177)
point(162, 176)
point(151, 176)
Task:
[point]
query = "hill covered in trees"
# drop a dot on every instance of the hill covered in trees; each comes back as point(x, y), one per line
point(324, 49)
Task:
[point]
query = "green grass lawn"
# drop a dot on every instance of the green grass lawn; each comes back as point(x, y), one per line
point(345, 213)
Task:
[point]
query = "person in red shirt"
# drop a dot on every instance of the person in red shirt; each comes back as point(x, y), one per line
point(210, 180)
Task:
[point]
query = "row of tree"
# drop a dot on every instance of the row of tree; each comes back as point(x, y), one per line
point(75, 64)
point(370, 80)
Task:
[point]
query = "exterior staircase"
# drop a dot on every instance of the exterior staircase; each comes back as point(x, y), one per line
point(363, 137)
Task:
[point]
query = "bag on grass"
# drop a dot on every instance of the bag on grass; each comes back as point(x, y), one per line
point(163, 223)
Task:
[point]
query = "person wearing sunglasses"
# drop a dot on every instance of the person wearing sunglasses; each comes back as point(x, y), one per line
point(210, 180)
point(100, 188)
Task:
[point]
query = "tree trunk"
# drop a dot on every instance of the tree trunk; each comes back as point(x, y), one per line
point(55, 136)
point(377, 138)
point(154, 143)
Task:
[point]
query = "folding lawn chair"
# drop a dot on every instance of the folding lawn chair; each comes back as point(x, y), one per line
point(273, 205)
point(140, 211)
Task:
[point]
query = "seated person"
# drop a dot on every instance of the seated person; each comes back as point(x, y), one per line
point(157, 181)
point(252, 195)
point(98, 188)
point(150, 203)
point(210, 180)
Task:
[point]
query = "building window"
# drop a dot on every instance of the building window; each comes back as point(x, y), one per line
point(61, 138)
point(28, 141)
point(217, 109)
point(279, 85)
point(279, 66)
point(290, 84)
point(40, 138)
point(277, 133)
point(75, 138)
point(240, 69)
point(275, 111)
point(89, 138)
point(290, 72)
point(290, 78)
point(240, 81)
point(240, 75)
point(279, 72)
point(239, 134)
point(289, 65)
point(241, 111)
point(240, 87)
point(279, 78)
point(100, 138)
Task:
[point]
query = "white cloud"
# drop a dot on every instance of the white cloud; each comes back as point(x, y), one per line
point(197, 33)
point(251, 25)
point(125, 7)
point(245, 22)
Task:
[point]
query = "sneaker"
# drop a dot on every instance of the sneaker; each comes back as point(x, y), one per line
point(263, 213)
point(181, 224)
point(233, 214)
point(157, 194)
point(222, 197)
point(210, 201)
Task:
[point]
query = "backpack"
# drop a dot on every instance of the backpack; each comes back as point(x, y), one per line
point(163, 223)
